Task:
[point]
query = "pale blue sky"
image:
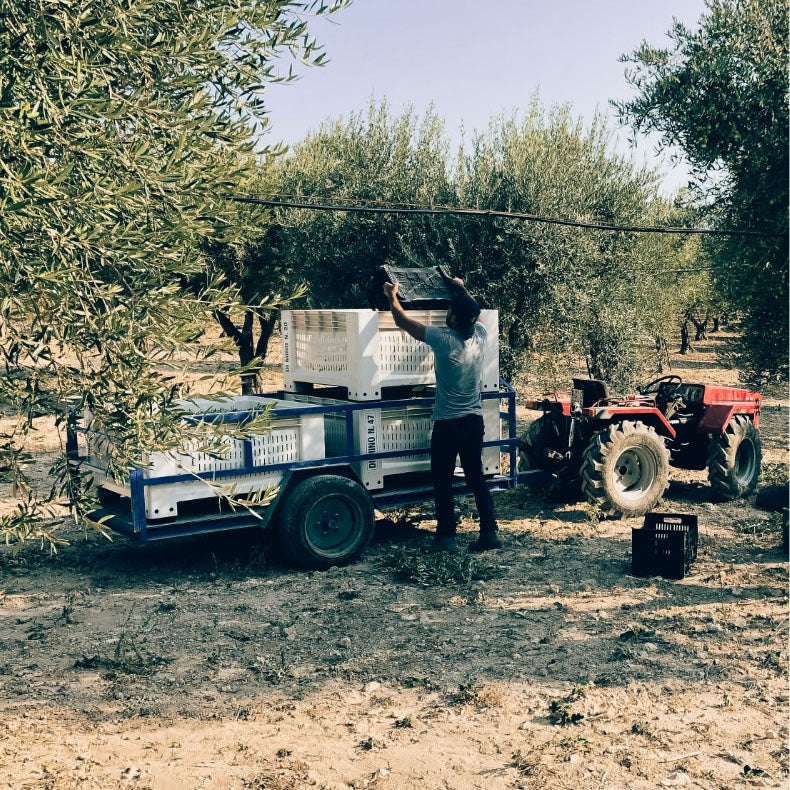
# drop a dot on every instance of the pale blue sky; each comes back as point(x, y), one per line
point(476, 59)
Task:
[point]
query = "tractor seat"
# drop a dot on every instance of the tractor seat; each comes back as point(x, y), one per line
point(593, 390)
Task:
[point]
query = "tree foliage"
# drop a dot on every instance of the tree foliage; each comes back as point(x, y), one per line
point(721, 94)
point(371, 156)
point(562, 293)
point(122, 125)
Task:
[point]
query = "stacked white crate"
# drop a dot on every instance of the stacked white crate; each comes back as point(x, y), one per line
point(393, 428)
point(364, 351)
point(292, 437)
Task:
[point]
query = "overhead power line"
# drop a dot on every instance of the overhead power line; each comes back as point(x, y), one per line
point(475, 212)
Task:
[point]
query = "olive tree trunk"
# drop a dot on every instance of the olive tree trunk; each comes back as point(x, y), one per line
point(252, 351)
point(685, 342)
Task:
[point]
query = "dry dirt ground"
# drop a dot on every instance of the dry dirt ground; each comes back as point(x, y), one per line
point(202, 664)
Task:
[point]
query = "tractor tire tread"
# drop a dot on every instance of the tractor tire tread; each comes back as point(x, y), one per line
point(722, 454)
point(593, 468)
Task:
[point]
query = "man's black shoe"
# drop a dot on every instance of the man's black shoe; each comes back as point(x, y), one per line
point(486, 542)
point(444, 543)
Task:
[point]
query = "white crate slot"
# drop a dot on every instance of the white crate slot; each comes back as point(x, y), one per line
point(393, 428)
point(363, 351)
point(292, 437)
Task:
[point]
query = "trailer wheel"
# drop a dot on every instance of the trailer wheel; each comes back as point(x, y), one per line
point(325, 520)
point(734, 459)
point(625, 469)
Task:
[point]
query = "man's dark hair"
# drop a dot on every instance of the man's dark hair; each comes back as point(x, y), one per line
point(466, 311)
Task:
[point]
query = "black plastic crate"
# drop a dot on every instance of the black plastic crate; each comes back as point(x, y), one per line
point(418, 289)
point(665, 545)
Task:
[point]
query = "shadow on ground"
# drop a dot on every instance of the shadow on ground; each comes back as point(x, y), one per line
point(213, 613)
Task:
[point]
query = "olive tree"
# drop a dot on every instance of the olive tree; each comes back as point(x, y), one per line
point(565, 294)
point(122, 127)
point(266, 281)
point(375, 157)
point(721, 93)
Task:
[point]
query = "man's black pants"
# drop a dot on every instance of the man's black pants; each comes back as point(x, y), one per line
point(462, 437)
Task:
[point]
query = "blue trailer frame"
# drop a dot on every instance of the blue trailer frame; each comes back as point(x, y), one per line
point(137, 525)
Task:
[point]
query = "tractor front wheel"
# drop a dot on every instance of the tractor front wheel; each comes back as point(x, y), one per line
point(625, 469)
point(734, 459)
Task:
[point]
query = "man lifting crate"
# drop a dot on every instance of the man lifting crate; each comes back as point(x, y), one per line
point(459, 353)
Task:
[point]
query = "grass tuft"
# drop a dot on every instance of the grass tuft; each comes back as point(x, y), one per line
point(435, 569)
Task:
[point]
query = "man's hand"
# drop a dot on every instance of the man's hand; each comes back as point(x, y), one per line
point(447, 278)
point(391, 290)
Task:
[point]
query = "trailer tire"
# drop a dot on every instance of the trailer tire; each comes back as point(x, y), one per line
point(530, 444)
point(734, 459)
point(106, 497)
point(325, 520)
point(625, 469)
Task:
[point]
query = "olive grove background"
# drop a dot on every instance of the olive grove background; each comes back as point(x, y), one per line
point(125, 128)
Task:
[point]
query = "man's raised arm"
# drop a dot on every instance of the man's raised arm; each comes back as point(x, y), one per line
point(455, 285)
point(402, 320)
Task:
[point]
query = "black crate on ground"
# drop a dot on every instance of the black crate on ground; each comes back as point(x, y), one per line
point(665, 545)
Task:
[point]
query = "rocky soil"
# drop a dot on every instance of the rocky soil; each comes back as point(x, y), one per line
point(202, 663)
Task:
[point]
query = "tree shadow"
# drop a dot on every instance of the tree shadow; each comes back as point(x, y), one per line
point(690, 493)
point(562, 502)
point(125, 563)
point(550, 613)
point(401, 529)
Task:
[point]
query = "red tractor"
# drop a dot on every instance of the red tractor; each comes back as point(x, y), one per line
point(620, 448)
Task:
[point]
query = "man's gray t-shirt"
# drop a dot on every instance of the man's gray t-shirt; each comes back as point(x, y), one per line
point(459, 368)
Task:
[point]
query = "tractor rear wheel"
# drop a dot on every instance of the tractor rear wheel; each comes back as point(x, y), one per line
point(734, 459)
point(625, 469)
point(532, 444)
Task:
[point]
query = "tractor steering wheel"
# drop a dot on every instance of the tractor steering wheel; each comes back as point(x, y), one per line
point(655, 385)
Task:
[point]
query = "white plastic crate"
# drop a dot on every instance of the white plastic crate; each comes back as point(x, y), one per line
point(392, 428)
point(293, 437)
point(363, 351)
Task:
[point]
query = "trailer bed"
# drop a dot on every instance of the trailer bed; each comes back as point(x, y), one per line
point(127, 515)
